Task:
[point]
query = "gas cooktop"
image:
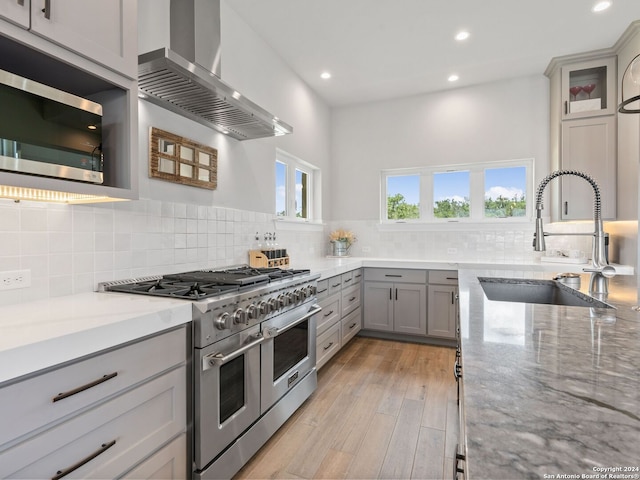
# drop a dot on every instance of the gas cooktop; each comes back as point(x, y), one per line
point(201, 284)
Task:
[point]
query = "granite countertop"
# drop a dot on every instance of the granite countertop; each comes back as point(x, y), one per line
point(550, 390)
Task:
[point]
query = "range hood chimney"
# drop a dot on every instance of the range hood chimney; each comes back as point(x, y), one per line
point(185, 78)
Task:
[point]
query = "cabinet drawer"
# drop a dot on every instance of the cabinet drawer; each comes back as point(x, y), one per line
point(330, 313)
point(35, 402)
point(395, 275)
point(357, 276)
point(347, 279)
point(350, 299)
point(322, 289)
point(443, 277)
point(327, 345)
point(113, 436)
point(335, 284)
point(168, 462)
point(351, 324)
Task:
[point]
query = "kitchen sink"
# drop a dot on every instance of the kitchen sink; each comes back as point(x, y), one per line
point(549, 292)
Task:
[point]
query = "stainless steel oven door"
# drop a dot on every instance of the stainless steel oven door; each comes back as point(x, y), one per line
point(288, 353)
point(227, 392)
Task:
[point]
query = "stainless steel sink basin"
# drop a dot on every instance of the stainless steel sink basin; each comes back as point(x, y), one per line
point(548, 292)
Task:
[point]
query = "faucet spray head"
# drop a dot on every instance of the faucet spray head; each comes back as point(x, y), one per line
point(538, 237)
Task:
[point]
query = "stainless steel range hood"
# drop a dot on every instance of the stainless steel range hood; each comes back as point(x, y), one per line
point(175, 79)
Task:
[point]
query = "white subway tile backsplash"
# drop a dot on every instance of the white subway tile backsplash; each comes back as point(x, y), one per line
point(33, 220)
point(180, 210)
point(71, 248)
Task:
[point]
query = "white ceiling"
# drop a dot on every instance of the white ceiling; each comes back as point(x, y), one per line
point(381, 49)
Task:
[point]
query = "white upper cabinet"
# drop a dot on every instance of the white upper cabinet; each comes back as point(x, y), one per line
point(104, 31)
point(16, 11)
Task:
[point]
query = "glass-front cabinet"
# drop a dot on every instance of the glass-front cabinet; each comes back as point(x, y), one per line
point(583, 134)
point(588, 88)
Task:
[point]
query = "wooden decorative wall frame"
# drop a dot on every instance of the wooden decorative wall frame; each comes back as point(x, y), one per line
point(181, 160)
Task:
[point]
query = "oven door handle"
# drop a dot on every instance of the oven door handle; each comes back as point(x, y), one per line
point(217, 359)
point(274, 332)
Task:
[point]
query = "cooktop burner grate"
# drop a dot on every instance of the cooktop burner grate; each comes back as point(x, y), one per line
point(200, 284)
point(178, 289)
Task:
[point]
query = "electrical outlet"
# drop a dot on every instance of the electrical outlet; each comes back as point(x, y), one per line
point(366, 249)
point(452, 250)
point(15, 279)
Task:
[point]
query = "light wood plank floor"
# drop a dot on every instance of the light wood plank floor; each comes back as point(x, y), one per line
point(382, 410)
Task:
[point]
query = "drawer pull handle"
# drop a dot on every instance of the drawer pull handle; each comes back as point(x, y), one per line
point(336, 285)
point(451, 278)
point(348, 280)
point(328, 346)
point(393, 276)
point(322, 291)
point(352, 325)
point(352, 299)
point(47, 9)
point(103, 448)
point(328, 314)
point(63, 395)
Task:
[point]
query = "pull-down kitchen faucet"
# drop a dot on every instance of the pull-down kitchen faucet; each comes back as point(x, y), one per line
point(600, 266)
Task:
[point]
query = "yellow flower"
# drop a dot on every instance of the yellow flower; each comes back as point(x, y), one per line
point(342, 235)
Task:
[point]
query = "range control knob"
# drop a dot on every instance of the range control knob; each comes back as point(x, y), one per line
point(312, 289)
point(223, 321)
point(283, 300)
point(239, 316)
point(273, 305)
point(298, 295)
point(252, 312)
point(263, 308)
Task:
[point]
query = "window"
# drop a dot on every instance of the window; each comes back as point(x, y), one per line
point(505, 192)
point(496, 191)
point(281, 189)
point(451, 194)
point(294, 187)
point(403, 197)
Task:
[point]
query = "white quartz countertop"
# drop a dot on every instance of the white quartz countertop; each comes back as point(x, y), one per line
point(44, 333)
point(330, 266)
point(550, 390)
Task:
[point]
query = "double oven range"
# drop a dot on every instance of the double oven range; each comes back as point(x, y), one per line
point(254, 355)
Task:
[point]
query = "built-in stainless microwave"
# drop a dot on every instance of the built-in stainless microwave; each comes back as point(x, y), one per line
point(45, 131)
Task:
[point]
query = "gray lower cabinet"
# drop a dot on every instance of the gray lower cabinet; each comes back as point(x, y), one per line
point(395, 300)
point(340, 320)
point(100, 417)
point(405, 303)
point(442, 300)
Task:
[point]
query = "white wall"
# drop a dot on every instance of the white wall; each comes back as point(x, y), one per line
point(246, 174)
point(496, 121)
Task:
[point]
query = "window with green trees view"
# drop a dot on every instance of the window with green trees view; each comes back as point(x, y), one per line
point(475, 192)
point(403, 194)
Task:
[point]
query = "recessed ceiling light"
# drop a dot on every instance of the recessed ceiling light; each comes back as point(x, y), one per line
point(601, 5)
point(453, 77)
point(325, 75)
point(462, 35)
